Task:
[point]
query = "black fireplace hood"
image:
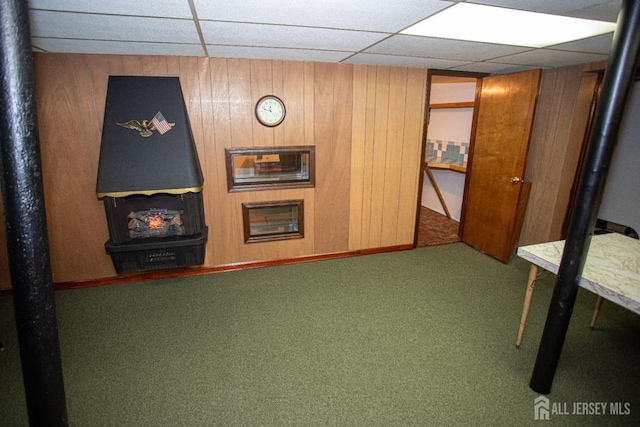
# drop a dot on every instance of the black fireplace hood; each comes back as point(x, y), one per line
point(144, 161)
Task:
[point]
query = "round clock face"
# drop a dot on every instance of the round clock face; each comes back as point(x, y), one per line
point(270, 110)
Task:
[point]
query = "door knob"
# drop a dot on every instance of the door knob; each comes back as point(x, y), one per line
point(515, 180)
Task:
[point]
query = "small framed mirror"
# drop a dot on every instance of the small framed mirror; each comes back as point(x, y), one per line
point(270, 168)
point(266, 221)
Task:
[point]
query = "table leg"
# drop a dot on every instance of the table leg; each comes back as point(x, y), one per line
point(596, 312)
point(531, 283)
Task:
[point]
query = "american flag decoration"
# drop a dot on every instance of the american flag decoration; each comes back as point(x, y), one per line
point(160, 123)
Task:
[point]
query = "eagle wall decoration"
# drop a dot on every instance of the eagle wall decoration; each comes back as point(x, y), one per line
point(146, 127)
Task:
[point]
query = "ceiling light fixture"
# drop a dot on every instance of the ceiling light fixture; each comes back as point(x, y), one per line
point(490, 24)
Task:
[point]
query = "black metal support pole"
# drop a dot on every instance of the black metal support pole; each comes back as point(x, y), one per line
point(617, 81)
point(27, 242)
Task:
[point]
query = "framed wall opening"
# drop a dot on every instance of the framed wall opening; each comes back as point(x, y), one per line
point(250, 169)
point(278, 220)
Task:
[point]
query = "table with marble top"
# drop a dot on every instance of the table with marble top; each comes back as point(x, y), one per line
point(612, 271)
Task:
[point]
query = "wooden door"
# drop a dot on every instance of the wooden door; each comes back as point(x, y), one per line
point(499, 155)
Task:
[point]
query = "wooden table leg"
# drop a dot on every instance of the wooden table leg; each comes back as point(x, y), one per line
point(596, 312)
point(531, 283)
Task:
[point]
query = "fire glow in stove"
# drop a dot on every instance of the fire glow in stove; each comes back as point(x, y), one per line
point(149, 176)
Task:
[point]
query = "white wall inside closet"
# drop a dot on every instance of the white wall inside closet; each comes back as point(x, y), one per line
point(448, 124)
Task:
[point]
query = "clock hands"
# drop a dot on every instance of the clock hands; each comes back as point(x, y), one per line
point(268, 110)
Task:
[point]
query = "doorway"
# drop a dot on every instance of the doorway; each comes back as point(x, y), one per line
point(451, 106)
point(494, 194)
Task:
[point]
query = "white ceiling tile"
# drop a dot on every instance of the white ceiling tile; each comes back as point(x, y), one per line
point(275, 53)
point(492, 68)
point(226, 33)
point(404, 61)
point(442, 48)
point(116, 47)
point(141, 8)
point(545, 6)
point(355, 31)
point(550, 58)
point(109, 27)
point(603, 12)
point(370, 15)
point(600, 44)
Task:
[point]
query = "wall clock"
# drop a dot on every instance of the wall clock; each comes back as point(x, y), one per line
point(270, 110)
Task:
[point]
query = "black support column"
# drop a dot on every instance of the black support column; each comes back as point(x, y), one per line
point(617, 82)
point(27, 241)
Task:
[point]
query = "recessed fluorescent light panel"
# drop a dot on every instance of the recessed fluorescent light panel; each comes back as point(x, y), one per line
point(489, 24)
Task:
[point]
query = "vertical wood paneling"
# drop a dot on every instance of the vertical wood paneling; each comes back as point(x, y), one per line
point(70, 145)
point(261, 74)
point(289, 85)
point(132, 65)
point(369, 173)
point(379, 155)
point(190, 84)
point(223, 246)
point(261, 85)
point(323, 121)
point(541, 142)
point(277, 89)
point(201, 103)
point(116, 64)
point(365, 122)
point(552, 155)
point(100, 68)
point(341, 162)
point(195, 101)
point(411, 156)
point(309, 103)
point(386, 147)
point(240, 102)
point(242, 117)
point(154, 66)
point(293, 96)
point(358, 153)
point(393, 156)
point(173, 66)
point(333, 85)
point(576, 137)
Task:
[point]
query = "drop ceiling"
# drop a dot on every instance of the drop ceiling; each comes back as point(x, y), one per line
point(345, 31)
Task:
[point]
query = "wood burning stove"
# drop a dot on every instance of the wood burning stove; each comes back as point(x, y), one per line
point(149, 177)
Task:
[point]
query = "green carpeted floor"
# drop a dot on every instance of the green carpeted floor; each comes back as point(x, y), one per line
point(415, 338)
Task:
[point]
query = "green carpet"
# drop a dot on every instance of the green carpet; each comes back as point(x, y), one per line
point(415, 338)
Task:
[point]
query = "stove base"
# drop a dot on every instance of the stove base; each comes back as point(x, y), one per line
point(156, 254)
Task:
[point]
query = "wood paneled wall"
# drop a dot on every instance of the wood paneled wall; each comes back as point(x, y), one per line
point(365, 122)
point(388, 117)
point(559, 130)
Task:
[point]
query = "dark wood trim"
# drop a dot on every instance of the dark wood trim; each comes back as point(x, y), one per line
point(472, 143)
point(246, 221)
point(199, 271)
point(269, 184)
point(475, 104)
point(454, 73)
